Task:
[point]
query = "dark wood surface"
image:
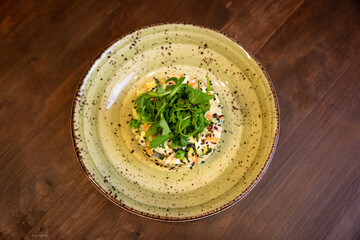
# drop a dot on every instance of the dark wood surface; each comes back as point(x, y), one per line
point(311, 51)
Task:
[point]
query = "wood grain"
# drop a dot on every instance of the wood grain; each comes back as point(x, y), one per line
point(311, 51)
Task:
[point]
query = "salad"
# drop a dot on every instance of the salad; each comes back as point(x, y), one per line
point(177, 121)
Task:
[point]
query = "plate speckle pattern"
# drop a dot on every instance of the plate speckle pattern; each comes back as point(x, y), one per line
point(111, 157)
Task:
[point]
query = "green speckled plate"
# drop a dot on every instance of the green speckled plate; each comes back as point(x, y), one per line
point(112, 159)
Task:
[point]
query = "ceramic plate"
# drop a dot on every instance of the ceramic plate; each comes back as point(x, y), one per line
point(111, 158)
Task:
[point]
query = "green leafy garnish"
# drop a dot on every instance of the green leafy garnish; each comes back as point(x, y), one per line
point(183, 141)
point(177, 87)
point(134, 123)
point(175, 112)
point(208, 87)
point(180, 154)
point(158, 140)
point(197, 96)
point(152, 130)
point(166, 130)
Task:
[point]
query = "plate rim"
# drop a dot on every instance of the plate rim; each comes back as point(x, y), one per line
point(159, 217)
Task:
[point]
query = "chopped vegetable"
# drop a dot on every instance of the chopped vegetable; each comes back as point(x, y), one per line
point(180, 154)
point(149, 151)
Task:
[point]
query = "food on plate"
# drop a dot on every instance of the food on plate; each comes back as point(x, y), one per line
point(177, 121)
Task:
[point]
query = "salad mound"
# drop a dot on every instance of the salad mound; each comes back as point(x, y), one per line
point(177, 121)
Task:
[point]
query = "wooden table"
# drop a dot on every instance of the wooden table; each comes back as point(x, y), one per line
point(311, 51)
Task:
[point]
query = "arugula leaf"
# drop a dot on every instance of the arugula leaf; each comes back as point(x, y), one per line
point(177, 87)
point(183, 141)
point(152, 130)
point(161, 105)
point(139, 103)
point(159, 89)
point(175, 142)
point(158, 140)
point(172, 116)
point(134, 123)
point(150, 107)
point(198, 96)
point(205, 106)
point(171, 79)
point(155, 94)
point(165, 126)
point(185, 122)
